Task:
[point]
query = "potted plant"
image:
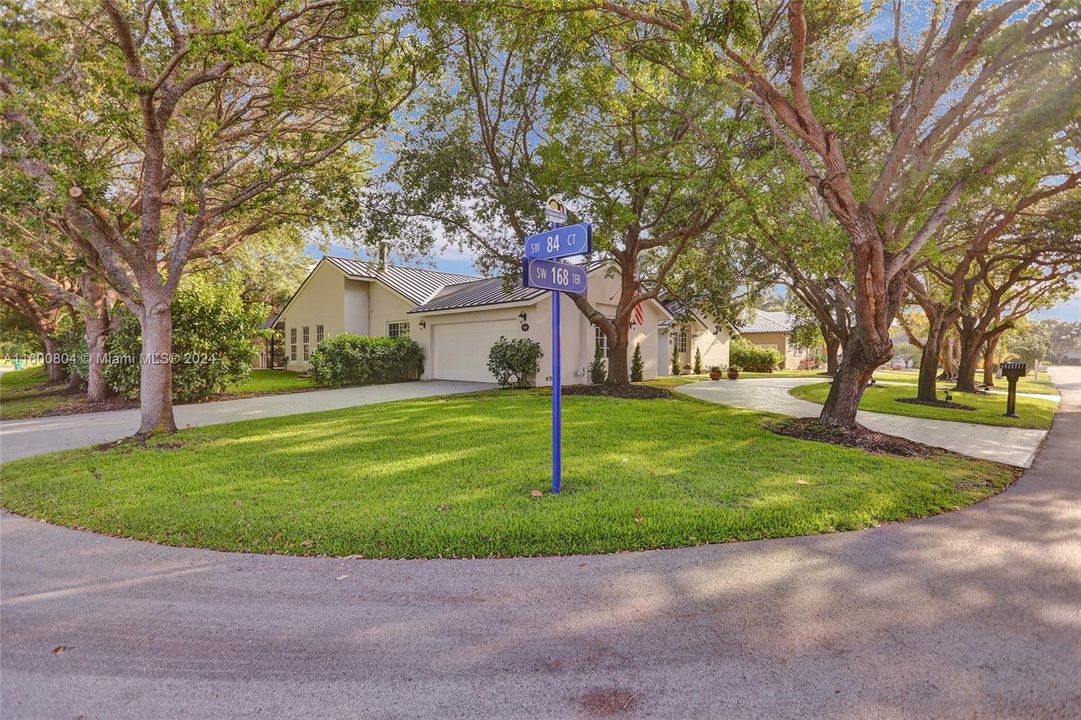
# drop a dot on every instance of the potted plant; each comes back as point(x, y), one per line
point(715, 372)
point(733, 371)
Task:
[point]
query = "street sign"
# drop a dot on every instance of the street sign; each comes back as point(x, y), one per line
point(560, 242)
point(554, 210)
point(552, 275)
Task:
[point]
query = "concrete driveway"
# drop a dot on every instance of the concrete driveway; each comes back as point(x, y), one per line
point(1012, 446)
point(21, 438)
point(970, 614)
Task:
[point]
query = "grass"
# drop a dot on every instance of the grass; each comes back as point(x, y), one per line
point(452, 477)
point(1024, 385)
point(1034, 412)
point(265, 382)
point(24, 394)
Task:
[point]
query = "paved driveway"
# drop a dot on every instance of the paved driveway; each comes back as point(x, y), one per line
point(970, 614)
point(20, 438)
point(1012, 446)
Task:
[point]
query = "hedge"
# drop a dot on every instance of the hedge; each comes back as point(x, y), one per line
point(359, 360)
point(751, 358)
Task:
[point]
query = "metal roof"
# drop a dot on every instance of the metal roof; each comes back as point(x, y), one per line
point(417, 284)
point(762, 321)
point(486, 291)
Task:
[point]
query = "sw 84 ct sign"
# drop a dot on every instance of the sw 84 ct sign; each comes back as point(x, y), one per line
point(551, 275)
point(560, 242)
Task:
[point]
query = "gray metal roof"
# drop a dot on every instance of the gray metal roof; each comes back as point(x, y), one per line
point(417, 284)
point(486, 291)
point(761, 321)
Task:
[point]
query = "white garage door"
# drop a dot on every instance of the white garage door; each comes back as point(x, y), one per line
point(460, 350)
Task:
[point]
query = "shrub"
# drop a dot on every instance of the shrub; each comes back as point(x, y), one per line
point(518, 359)
point(212, 343)
point(697, 361)
point(752, 358)
point(348, 359)
point(598, 369)
point(638, 366)
point(676, 365)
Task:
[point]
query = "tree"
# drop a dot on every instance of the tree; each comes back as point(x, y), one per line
point(980, 242)
point(39, 313)
point(598, 369)
point(522, 118)
point(638, 366)
point(922, 100)
point(229, 118)
point(677, 362)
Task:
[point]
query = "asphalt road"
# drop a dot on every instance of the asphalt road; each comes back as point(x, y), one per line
point(971, 614)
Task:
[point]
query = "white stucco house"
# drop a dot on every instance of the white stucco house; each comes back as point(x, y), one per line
point(456, 318)
point(693, 330)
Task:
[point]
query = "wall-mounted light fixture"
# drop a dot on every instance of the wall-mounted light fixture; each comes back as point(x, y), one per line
point(522, 316)
point(422, 324)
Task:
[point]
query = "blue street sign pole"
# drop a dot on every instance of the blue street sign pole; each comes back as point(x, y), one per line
point(557, 395)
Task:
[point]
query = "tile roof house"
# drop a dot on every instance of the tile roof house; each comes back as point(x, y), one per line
point(773, 329)
point(456, 318)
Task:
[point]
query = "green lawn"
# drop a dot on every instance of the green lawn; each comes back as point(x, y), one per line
point(23, 393)
point(452, 477)
point(1034, 412)
point(271, 381)
point(1025, 384)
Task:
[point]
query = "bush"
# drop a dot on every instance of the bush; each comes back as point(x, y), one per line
point(751, 358)
point(697, 361)
point(518, 359)
point(676, 365)
point(212, 342)
point(638, 366)
point(348, 359)
point(598, 371)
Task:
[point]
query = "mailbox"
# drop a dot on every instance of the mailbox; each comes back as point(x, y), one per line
point(1011, 371)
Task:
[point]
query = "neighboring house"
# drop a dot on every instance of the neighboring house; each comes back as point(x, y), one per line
point(696, 331)
point(1072, 357)
point(773, 330)
point(457, 318)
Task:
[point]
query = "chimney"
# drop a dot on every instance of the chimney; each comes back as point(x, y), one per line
point(382, 256)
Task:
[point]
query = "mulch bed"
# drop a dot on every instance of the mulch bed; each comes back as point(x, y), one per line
point(936, 403)
point(626, 392)
point(79, 406)
point(854, 437)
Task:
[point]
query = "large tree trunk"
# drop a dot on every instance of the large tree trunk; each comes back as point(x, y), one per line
point(989, 361)
point(156, 376)
point(966, 368)
point(853, 372)
point(929, 359)
point(96, 389)
point(833, 347)
point(54, 366)
point(618, 361)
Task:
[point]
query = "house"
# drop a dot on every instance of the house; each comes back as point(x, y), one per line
point(456, 318)
point(773, 330)
point(695, 331)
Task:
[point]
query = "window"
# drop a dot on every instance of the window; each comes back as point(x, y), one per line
point(305, 353)
point(292, 343)
point(307, 335)
point(680, 339)
point(600, 340)
point(398, 329)
point(318, 334)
